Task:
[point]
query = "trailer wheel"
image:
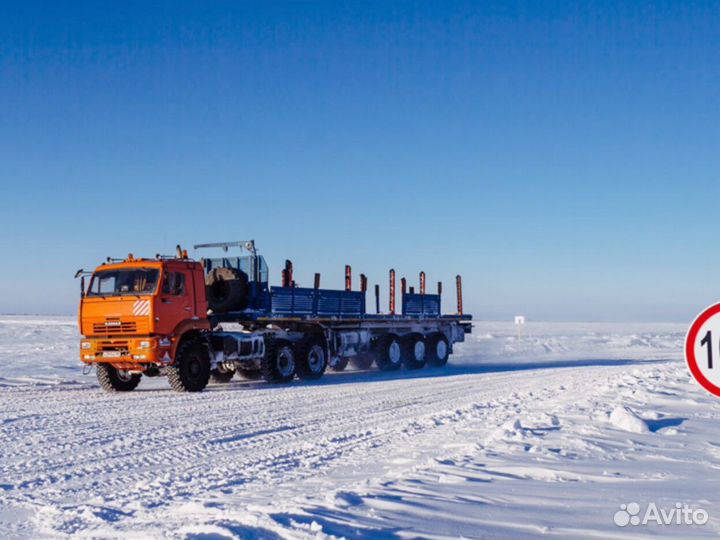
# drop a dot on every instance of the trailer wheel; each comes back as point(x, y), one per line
point(339, 363)
point(313, 361)
point(389, 353)
point(438, 350)
point(112, 379)
point(191, 370)
point(221, 376)
point(363, 360)
point(249, 374)
point(414, 353)
point(279, 363)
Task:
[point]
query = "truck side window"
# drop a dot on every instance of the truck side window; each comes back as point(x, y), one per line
point(167, 285)
point(174, 284)
point(179, 288)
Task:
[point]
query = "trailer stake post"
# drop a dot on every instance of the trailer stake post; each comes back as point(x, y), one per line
point(422, 282)
point(317, 280)
point(439, 288)
point(348, 278)
point(458, 280)
point(403, 286)
point(363, 283)
point(392, 291)
point(377, 299)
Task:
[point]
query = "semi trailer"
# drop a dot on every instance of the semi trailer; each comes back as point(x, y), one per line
point(199, 320)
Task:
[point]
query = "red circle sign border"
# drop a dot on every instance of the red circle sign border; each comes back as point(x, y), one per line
point(690, 359)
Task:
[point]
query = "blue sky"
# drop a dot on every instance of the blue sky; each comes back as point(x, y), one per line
point(562, 156)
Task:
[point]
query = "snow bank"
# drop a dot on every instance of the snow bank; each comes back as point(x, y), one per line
point(502, 342)
point(626, 419)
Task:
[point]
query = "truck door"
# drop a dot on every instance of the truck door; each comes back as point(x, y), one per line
point(175, 303)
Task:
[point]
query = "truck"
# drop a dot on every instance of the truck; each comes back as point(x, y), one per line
point(194, 321)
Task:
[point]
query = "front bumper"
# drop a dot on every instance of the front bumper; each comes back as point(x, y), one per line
point(121, 350)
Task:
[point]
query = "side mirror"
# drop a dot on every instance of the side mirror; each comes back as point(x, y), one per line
point(81, 274)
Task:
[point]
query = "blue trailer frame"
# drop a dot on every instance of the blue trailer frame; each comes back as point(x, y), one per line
point(295, 307)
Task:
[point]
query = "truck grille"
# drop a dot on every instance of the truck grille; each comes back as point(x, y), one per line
point(115, 327)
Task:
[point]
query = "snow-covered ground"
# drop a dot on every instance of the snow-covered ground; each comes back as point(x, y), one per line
point(543, 433)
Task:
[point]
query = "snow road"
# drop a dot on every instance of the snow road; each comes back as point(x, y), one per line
point(533, 434)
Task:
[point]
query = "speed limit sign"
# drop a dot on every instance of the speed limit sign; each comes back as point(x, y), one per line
point(702, 349)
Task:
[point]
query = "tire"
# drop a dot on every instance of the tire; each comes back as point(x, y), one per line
point(226, 290)
point(414, 351)
point(249, 374)
point(221, 376)
point(340, 363)
point(312, 361)
point(191, 370)
point(389, 353)
point(279, 363)
point(362, 361)
point(438, 350)
point(115, 380)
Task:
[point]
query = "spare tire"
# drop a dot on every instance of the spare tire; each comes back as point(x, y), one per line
point(227, 290)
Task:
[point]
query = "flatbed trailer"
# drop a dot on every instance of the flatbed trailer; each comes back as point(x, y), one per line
point(211, 319)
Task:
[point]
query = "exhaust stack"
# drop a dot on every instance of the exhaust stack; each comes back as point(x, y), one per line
point(287, 274)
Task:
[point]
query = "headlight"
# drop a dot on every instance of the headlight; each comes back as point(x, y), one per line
point(85, 345)
point(144, 345)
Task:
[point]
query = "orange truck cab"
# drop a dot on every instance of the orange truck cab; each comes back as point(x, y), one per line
point(133, 312)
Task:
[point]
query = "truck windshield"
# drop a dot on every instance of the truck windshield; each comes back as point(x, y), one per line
point(124, 282)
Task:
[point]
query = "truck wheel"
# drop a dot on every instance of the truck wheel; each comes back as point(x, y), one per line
point(389, 353)
point(191, 370)
point(249, 374)
point(313, 361)
point(438, 350)
point(226, 290)
point(116, 380)
point(362, 361)
point(340, 363)
point(414, 353)
point(279, 363)
point(221, 376)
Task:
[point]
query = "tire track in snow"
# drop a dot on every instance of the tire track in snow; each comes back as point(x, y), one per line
point(151, 449)
point(76, 460)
